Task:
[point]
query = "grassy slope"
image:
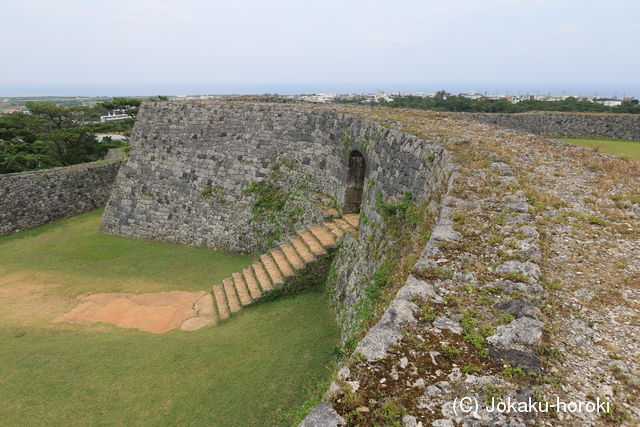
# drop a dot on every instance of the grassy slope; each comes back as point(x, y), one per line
point(246, 371)
point(619, 148)
point(94, 262)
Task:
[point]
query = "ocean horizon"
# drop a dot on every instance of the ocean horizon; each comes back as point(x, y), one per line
point(109, 90)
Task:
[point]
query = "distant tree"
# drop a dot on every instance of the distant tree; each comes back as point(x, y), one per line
point(129, 105)
point(72, 146)
point(21, 121)
point(60, 117)
point(440, 94)
point(18, 155)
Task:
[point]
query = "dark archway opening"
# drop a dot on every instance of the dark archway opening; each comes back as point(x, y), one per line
point(355, 183)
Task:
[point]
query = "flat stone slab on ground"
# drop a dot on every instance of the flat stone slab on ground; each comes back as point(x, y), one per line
point(154, 312)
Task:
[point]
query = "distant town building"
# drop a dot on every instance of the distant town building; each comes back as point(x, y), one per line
point(610, 102)
point(116, 115)
point(12, 109)
point(114, 136)
point(319, 97)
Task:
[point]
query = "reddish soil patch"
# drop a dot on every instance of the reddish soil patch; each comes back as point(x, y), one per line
point(157, 312)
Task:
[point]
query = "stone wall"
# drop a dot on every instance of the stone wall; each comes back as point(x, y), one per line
point(617, 126)
point(397, 164)
point(192, 164)
point(213, 173)
point(29, 199)
point(225, 175)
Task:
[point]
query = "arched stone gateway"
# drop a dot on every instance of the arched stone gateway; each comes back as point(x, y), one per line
point(355, 182)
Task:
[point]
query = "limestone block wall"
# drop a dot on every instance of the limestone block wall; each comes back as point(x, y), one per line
point(192, 163)
point(617, 126)
point(29, 199)
point(397, 163)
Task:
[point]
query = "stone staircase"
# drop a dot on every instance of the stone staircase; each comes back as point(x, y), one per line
point(271, 271)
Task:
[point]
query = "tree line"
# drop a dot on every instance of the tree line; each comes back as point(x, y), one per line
point(51, 135)
point(440, 102)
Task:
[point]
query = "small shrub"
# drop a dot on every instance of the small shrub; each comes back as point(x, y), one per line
point(487, 330)
point(449, 352)
point(592, 219)
point(470, 369)
point(553, 286)
point(434, 273)
point(391, 412)
point(450, 300)
point(507, 318)
point(428, 313)
point(493, 392)
point(475, 340)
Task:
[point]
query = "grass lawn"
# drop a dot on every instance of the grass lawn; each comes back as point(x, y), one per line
point(618, 148)
point(248, 370)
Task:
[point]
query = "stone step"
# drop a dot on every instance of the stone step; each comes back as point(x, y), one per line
point(283, 265)
point(302, 249)
point(352, 219)
point(262, 276)
point(312, 243)
point(221, 301)
point(343, 224)
point(323, 235)
point(328, 211)
point(251, 282)
point(292, 256)
point(335, 229)
point(321, 198)
point(241, 288)
point(272, 269)
point(230, 292)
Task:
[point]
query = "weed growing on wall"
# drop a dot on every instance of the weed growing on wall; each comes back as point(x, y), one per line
point(396, 244)
point(346, 140)
point(275, 208)
point(212, 193)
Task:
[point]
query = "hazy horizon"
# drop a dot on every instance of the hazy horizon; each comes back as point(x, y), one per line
point(150, 47)
point(97, 90)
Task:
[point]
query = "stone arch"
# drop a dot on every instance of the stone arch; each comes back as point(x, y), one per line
point(356, 171)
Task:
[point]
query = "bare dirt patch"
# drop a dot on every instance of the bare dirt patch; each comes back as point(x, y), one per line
point(153, 312)
point(26, 299)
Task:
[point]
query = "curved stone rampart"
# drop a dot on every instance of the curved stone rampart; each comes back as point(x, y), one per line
point(302, 153)
point(214, 173)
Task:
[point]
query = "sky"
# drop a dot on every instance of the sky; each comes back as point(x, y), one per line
point(250, 46)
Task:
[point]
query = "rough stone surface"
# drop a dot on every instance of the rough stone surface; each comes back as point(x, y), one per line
point(442, 322)
point(322, 415)
point(619, 126)
point(416, 288)
point(530, 270)
point(375, 344)
point(29, 199)
point(192, 163)
point(519, 308)
point(518, 334)
point(516, 358)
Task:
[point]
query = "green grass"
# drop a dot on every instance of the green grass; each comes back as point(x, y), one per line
point(89, 261)
point(249, 370)
point(616, 147)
